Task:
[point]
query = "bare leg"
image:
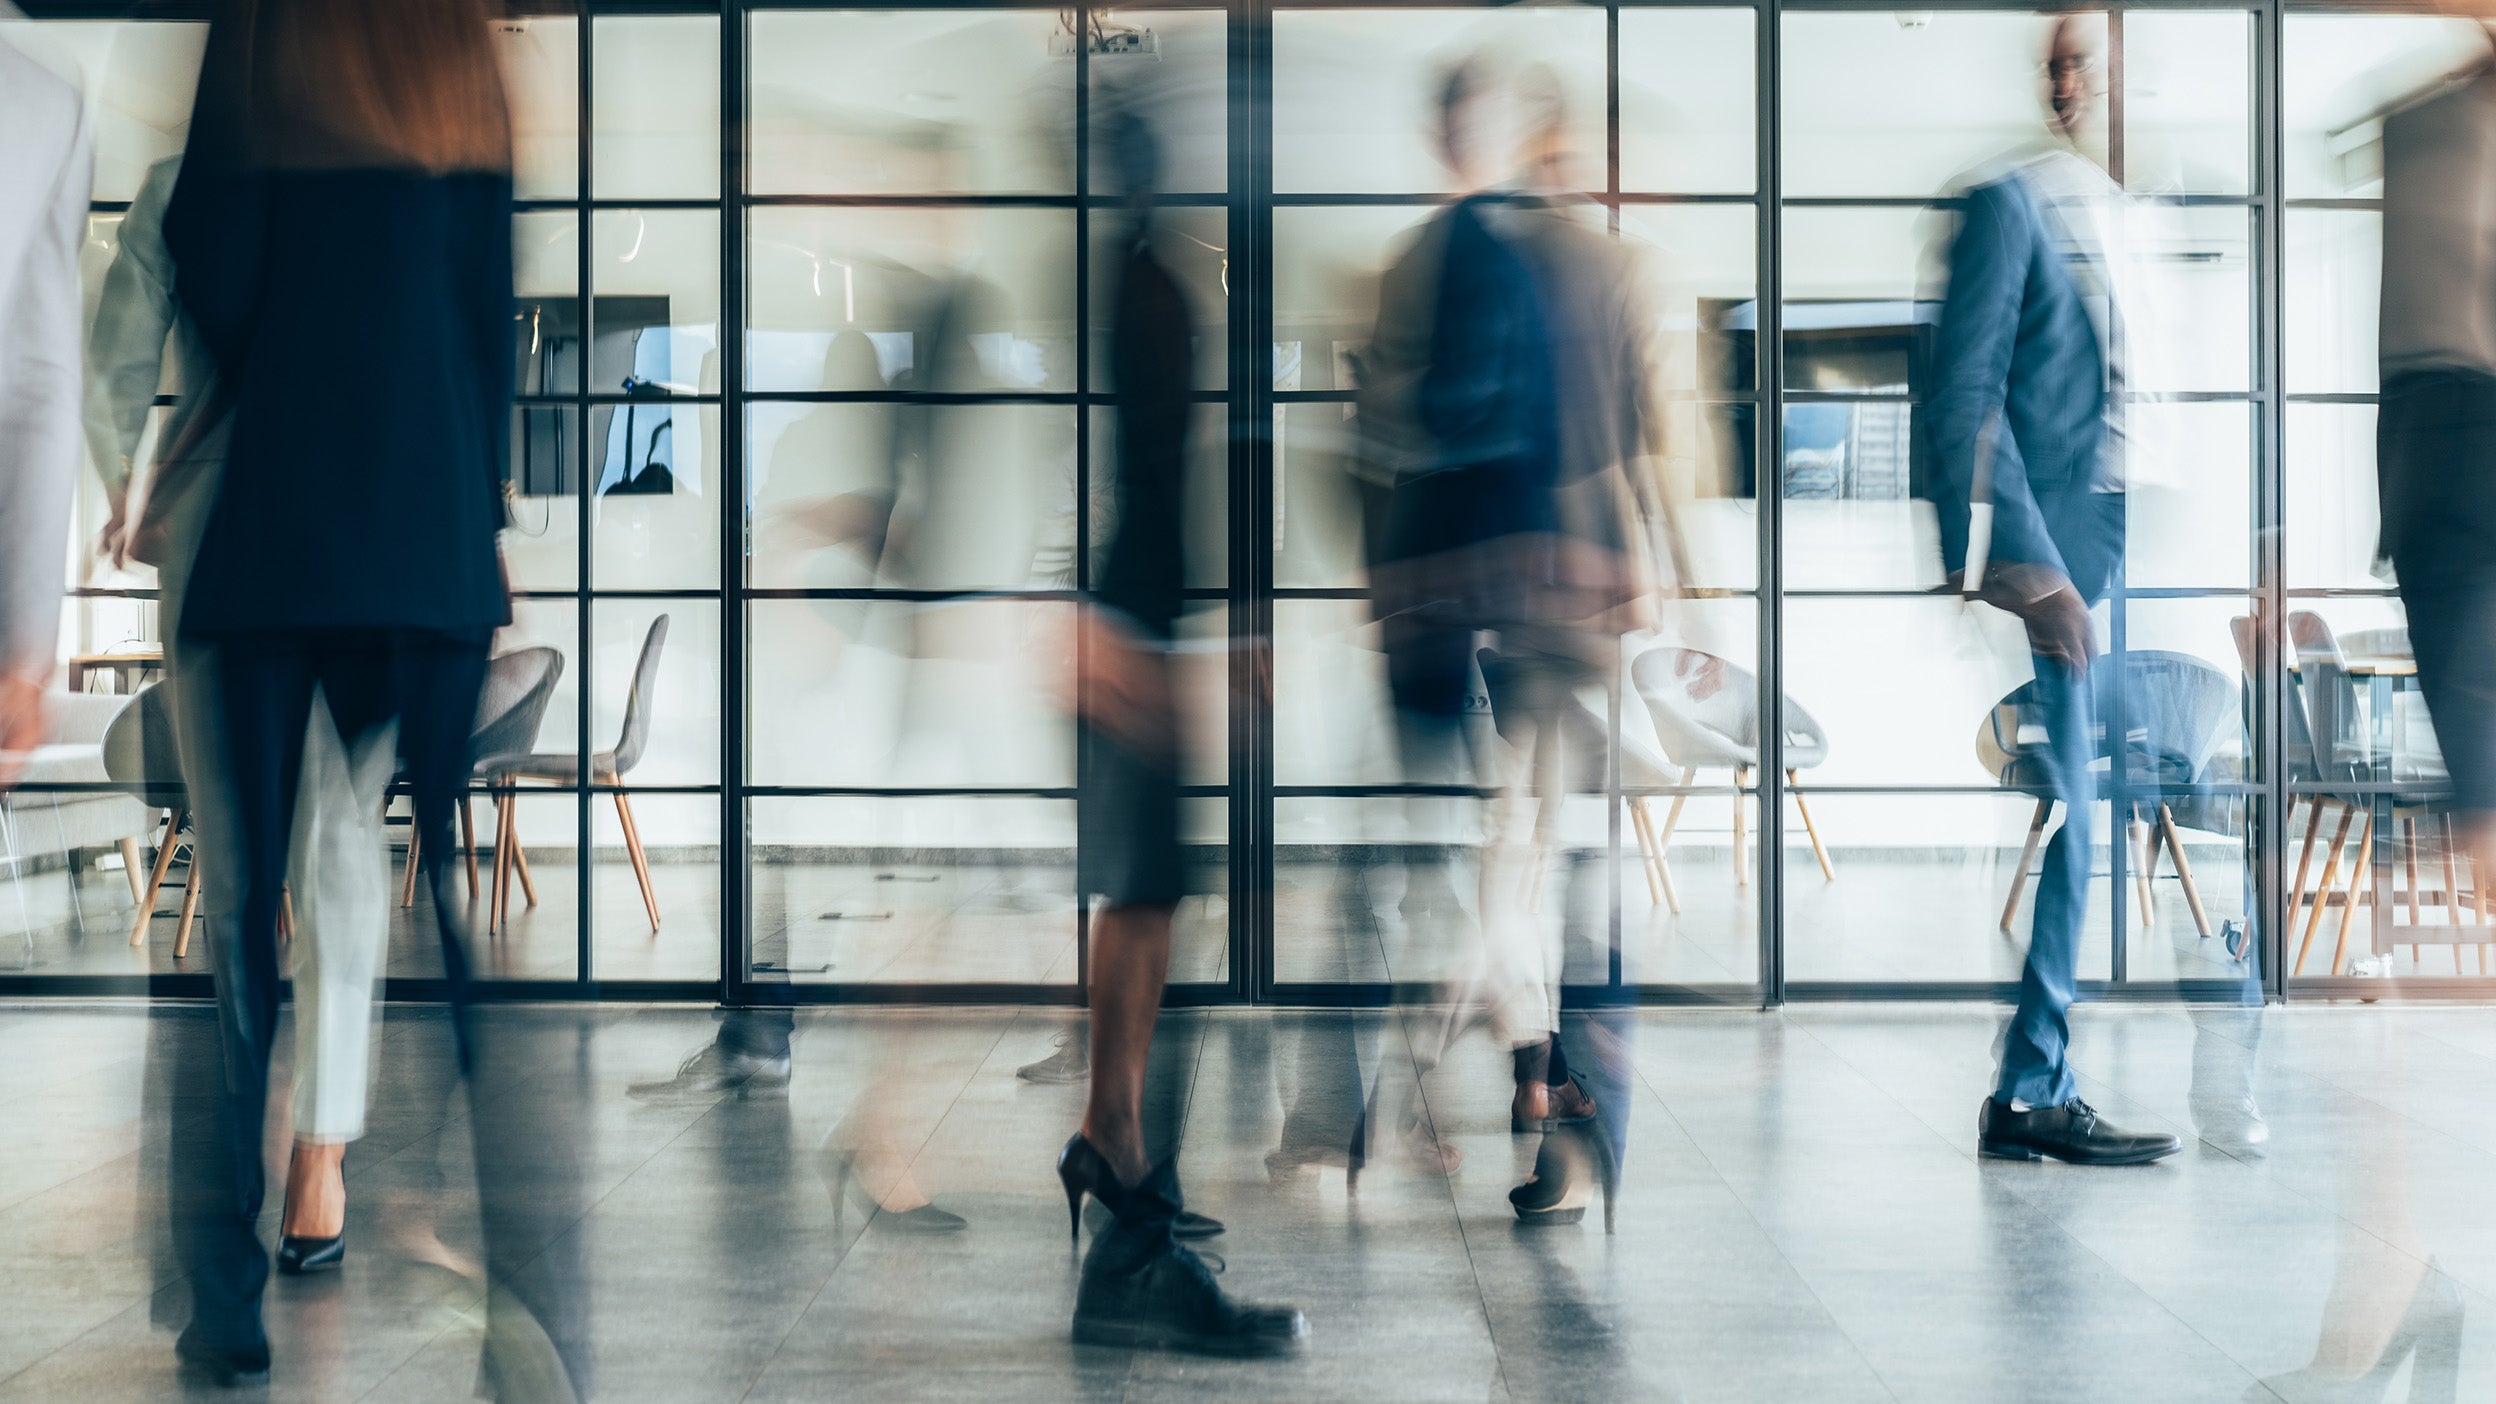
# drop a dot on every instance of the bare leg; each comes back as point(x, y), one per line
point(316, 1190)
point(1130, 963)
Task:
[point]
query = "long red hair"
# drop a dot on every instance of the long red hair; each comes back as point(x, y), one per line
point(342, 83)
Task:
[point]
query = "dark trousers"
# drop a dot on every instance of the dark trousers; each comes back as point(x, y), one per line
point(2436, 460)
point(527, 1141)
point(2088, 530)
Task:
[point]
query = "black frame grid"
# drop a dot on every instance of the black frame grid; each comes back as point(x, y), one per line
point(1249, 592)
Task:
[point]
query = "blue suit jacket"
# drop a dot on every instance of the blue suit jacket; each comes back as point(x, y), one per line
point(2015, 343)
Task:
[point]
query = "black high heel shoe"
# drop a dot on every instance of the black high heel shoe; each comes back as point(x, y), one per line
point(1558, 1192)
point(1083, 1170)
point(926, 1219)
point(297, 1255)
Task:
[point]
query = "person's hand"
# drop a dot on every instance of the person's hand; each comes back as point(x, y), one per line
point(2059, 627)
point(1120, 683)
point(112, 544)
point(21, 719)
point(1705, 673)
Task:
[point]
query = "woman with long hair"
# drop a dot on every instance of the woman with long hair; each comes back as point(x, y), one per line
point(341, 234)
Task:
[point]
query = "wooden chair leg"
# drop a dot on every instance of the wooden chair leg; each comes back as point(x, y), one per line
point(2183, 871)
point(2322, 892)
point(2452, 892)
point(1644, 836)
point(130, 865)
point(2409, 864)
point(285, 914)
point(520, 857)
point(1741, 829)
point(415, 855)
point(2145, 859)
point(156, 876)
point(468, 839)
point(190, 909)
point(1663, 861)
point(2357, 886)
point(2305, 853)
point(1803, 807)
point(498, 907)
point(641, 860)
point(2027, 856)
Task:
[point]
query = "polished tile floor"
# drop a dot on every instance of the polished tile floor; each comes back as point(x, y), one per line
point(1800, 1215)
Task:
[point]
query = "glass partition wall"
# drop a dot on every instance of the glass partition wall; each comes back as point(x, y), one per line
point(813, 456)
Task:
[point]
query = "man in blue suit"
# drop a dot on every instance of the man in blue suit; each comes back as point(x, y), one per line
point(2030, 500)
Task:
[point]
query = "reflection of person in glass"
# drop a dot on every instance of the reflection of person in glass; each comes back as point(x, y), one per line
point(2026, 397)
point(1141, 1287)
point(2435, 448)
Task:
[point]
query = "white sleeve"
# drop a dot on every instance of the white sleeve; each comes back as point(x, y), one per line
point(43, 213)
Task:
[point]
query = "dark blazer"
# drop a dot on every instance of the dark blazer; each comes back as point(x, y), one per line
point(2015, 344)
point(361, 324)
point(1152, 351)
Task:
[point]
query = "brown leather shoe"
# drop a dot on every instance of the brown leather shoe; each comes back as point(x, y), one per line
point(1538, 1106)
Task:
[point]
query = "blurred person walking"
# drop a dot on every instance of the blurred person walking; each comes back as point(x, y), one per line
point(339, 877)
point(341, 239)
point(2435, 435)
point(2025, 417)
point(47, 171)
point(1141, 1287)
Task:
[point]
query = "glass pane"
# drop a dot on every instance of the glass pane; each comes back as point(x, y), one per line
point(140, 79)
point(1181, 85)
point(1192, 245)
point(1327, 263)
point(671, 843)
point(1904, 104)
point(541, 538)
point(859, 299)
point(555, 624)
point(922, 102)
point(542, 74)
point(537, 936)
point(2187, 102)
point(1332, 721)
point(1208, 506)
point(1923, 886)
point(1354, 89)
point(653, 470)
point(1903, 688)
point(1702, 263)
point(677, 704)
point(2186, 298)
point(1327, 514)
point(1850, 523)
point(2334, 507)
point(2188, 468)
point(926, 694)
point(1858, 284)
point(1687, 102)
point(656, 275)
point(654, 108)
point(2334, 282)
point(896, 891)
point(979, 497)
point(2342, 73)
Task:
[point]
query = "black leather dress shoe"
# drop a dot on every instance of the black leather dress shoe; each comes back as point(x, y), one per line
point(1144, 1290)
point(224, 1364)
point(2073, 1133)
point(297, 1256)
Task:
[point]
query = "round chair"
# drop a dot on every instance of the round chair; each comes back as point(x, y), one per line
point(1719, 729)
